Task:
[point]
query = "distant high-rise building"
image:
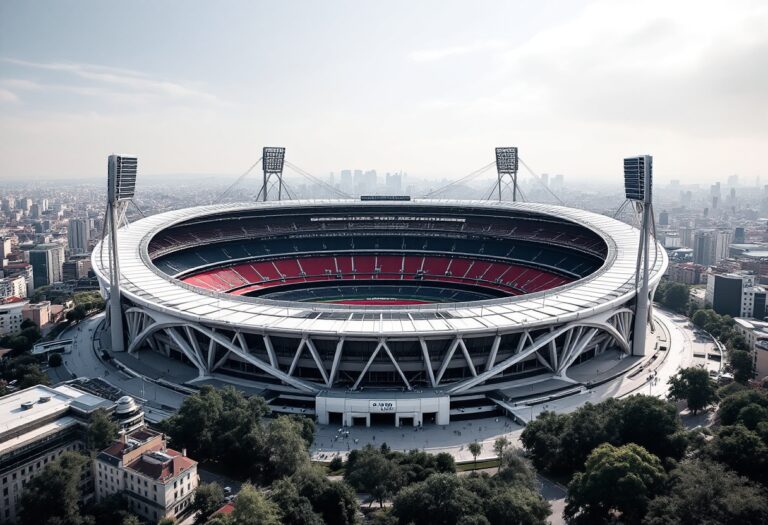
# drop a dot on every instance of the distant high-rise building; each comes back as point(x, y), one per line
point(545, 179)
point(711, 246)
point(733, 180)
point(13, 287)
point(34, 211)
point(739, 236)
point(365, 182)
point(557, 182)
point(736, 294)
point(9, 204)
point(703, 248)
point(5, 250)
point(346, 180)
point(47, 261)
point(75, 269)
point(663, 218)
point(394, 183)
point(78, 236)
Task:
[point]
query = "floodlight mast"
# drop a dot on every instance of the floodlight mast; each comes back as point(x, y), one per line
point(506, 166)
point(272, 163)
point(121, 187)
point(638, 184)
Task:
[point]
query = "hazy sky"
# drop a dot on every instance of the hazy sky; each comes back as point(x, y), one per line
point(428, 87)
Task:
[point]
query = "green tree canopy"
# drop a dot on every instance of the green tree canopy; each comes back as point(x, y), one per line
point(617, 480)
point(737, 399)
point(102, 430)
point(694, 386)
point(372, 472)
point(253, 508)
point(743, 367)
point(742, 450)
point(440, 500)
point(560, 443)
point(208, 499)
point(706, 493)
point(53, 495)
point(522, 507)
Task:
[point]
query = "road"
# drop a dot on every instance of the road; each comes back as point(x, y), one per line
point(83, 361)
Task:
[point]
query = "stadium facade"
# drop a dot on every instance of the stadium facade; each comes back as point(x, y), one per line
point(412, 311)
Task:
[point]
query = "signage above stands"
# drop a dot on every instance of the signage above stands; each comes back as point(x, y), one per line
point(385, 197)
point(379, 406)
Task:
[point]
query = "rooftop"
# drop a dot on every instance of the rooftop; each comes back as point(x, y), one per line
point(161, 466)
point(20, 410)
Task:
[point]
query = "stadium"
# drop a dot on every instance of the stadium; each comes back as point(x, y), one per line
point(383, 310)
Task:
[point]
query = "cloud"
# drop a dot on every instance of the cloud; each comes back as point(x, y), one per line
point(430, 55)
point(109, 80)
point(7, 96)
point(690, 66)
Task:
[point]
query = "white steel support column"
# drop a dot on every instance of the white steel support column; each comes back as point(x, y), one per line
point(115, 307)
point(336, 361)
point(427, 362)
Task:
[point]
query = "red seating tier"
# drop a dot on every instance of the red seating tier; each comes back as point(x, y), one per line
point(247, 277)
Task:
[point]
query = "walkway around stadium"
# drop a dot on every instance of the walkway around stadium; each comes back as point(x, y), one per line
point(686, 346)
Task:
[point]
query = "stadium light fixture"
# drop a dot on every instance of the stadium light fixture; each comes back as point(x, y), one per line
point(638, 177)
point(506, 160)
point(272, 159)
point(121, 177)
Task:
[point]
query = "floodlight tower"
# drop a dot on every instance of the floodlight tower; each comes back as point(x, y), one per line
point(506, 166)
point(638, 186)
point(272, 162)
point(121, 187)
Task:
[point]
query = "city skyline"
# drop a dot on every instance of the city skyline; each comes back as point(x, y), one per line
point(417, 88)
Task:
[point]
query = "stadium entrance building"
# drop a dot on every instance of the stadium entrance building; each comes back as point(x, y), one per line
point(404, 408)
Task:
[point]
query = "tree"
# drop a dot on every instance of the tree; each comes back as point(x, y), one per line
point(167, 521)
point(522, 507)
point(53, 495)
point(285, 448)
point(734, 401)
point(475, 449)
point(706, 493)
point(741, 361)
point(336, 464)
point(675, 296)
point(701, 317)
point(541, 439)
point(752, 415)
point(77, 314)
point(295, 509)
point(370, 471)
point(102, 430)
point(695, 386)
point(651, 423)
point(742, 450)
point(55, 360)
point(444, 462)
point(499, 446)
point(253, 508)
point(616, 480)
point(440, 499)
point(517, 470)
point(207, 500)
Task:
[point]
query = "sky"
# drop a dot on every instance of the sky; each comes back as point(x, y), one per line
point(429, 87)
